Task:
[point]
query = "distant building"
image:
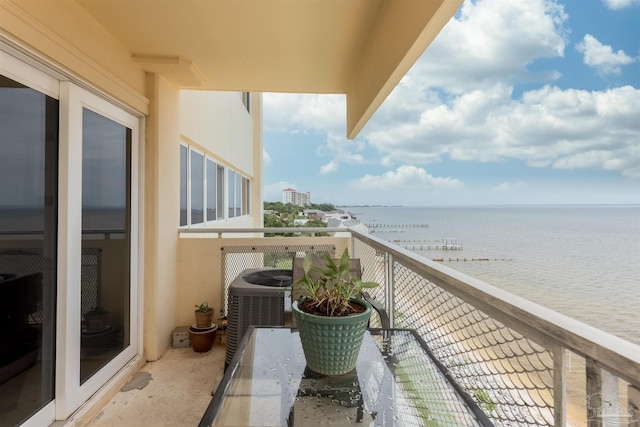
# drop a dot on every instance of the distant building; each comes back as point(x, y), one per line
point(289, 195)
point(314, 214)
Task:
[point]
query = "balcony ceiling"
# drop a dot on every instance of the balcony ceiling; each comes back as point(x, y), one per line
point(360, 48)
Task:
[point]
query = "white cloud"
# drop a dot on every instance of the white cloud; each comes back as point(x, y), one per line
point(546, 127)
point(602, 57)
point(329, 168)
point(620, 4)
point(406, 177)
point(509, 187)
point(273, 192)
point(571, 129)
point(266, 158)
point(290, 112)
point(493, 41)
point(459, 102)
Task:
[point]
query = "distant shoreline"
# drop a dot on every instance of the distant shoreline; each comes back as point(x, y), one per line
point(558, 205)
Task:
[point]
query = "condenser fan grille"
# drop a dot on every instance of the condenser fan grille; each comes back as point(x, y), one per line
point(276, 278)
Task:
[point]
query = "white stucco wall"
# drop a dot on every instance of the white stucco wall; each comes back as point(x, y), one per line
point(219, 124)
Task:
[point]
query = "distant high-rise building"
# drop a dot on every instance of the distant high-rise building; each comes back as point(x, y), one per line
point(289, 195)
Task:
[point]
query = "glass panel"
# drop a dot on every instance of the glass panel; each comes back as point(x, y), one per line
point(197, 194)
point(220, 192)
point(212, 187)
point(231, 194)
point(246, 196)
point(183, 185)
point(28, 224)
point(238, 201)
point(106, 241)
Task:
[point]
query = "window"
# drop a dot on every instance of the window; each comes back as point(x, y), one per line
point(238, 194)
point(202, 190)
point(184, 180)
point(215, 191)
point(231, 191)
point(246, 193)
point(28, 210)
point(197, 188)
point(238, 197)
point(106, 203)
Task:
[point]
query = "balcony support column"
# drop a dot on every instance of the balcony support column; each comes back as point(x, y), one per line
point(633, 405)
point(559, 385)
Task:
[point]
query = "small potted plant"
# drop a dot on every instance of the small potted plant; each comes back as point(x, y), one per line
point(331, 315)
point(204, 315)
point(203, 333)
point(96, 319)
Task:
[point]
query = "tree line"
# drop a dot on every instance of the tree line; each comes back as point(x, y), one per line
point(278, 214)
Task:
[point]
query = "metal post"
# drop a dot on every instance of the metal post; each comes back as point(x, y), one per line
point(634, 405)
point(594, 401)
point(388, 268)
point(559, 385)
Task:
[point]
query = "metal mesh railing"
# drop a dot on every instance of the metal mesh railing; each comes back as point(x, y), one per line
point(236, 259)
point(20, 261)
point(510, 376)
point(424, 391)
point(519, 374)
point(524, 365)
point(91, 279)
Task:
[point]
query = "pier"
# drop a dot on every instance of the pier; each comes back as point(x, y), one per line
point(468, 259)
point(444, 244)
point(391, 228)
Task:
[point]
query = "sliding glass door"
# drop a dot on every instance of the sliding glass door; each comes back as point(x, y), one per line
point(106, 241)
point(68, 244)
point(98, 228)
point(28, 254)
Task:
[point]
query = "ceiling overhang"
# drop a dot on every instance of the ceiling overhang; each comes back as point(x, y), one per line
point(360, 48)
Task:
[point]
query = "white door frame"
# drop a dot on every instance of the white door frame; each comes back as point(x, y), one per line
point(70, 395)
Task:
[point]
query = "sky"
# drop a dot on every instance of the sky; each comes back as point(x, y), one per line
point(514, 102)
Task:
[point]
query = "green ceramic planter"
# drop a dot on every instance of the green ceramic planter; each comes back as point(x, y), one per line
point(331, 344)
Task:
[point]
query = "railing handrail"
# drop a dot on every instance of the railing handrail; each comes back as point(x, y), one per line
point(608, 351)
point(546, 326)
point(274, 230)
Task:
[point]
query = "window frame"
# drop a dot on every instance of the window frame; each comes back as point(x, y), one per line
point(190, 193)
point(232, 193)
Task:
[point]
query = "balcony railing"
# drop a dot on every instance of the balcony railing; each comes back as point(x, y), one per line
point(523, 363)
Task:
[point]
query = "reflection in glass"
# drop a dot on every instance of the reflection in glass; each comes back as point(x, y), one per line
point(28, 207)
point(212, 188)
point(183, 185)
point(220, 192)
point(197, 182)
point(238, 198)
point(106, 237)
point(231, 185)
point(246, 196)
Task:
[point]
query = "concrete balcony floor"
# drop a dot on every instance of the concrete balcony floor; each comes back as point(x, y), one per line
point(172, 391)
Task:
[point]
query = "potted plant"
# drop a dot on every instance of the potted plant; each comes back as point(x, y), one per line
point(331, 315)
point(201, 339)
point(204, 315)
point(203, 332)
point(96, 319)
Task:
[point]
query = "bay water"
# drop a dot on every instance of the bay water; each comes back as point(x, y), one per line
point(581, 261)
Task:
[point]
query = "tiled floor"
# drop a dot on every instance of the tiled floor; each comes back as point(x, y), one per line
point(173, 391)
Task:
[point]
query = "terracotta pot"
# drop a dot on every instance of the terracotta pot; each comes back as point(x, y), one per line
point(202, 339)
point(96, 321)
